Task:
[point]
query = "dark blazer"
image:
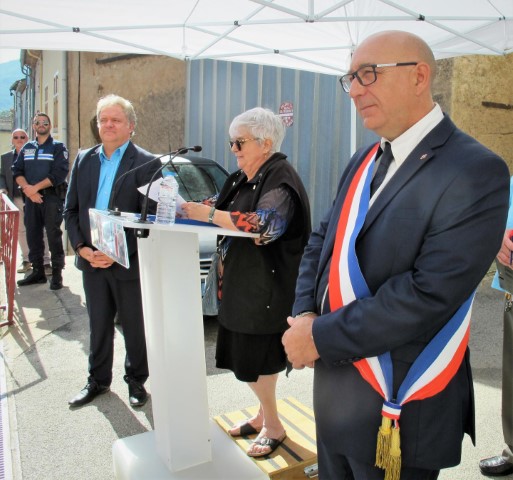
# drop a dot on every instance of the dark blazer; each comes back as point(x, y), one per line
point(6, 176)
point(426, 243)
point(81, 196)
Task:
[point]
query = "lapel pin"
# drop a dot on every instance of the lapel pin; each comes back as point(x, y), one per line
point(423, 157)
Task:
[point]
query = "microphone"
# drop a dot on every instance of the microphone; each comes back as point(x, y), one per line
point(114, 210)
point(196, 148)
point(180, 151)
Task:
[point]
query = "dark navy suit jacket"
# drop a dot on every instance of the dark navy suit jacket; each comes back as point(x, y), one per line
point(427, 241)
point(82, 191)
point(6, 177)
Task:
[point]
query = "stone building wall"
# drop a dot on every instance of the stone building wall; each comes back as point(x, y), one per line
point(155, 85)
point(482, 101)
point(442, 87)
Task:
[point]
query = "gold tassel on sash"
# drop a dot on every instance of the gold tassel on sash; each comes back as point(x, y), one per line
point(388, 449)
point(383, 446)
point(393, 469)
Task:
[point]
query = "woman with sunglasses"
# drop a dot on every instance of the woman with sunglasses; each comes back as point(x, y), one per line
point(257, 275)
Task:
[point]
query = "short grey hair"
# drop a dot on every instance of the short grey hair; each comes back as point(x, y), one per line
point(111, 100)
point(262, 123)
point(19, 130)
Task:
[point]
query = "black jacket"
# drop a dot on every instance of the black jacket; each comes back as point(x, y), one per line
point(82, 191)
point(258, 281)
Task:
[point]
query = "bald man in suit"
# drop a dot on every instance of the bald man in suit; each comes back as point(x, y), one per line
point(428, 235)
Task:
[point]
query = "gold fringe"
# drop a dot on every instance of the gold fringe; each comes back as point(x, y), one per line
point(383, 445)
point(393, 468)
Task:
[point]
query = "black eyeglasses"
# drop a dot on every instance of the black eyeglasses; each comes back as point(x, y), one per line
point(241, 141)
point(18, 138)
point(367, 74)
point(44, 124)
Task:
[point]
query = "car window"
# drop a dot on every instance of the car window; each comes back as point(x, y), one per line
point(197, 182)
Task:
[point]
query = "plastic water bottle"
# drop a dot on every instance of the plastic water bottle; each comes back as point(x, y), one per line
point(166, 207)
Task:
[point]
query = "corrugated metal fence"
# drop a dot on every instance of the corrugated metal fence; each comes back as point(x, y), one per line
point(317, 142)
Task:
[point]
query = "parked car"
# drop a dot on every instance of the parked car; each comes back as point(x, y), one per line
point(199, 178)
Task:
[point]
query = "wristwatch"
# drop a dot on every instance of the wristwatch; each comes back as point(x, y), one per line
point(211, 215)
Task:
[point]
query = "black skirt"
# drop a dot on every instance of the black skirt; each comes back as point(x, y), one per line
point(249, 356)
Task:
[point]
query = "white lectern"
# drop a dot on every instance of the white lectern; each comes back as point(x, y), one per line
point(185, 444)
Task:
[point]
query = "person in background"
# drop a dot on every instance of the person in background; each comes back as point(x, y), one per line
point(110, 289)
point(503, 464)
point(257, 275)
point(386, 283)
point(40, 170)
point(19, 137)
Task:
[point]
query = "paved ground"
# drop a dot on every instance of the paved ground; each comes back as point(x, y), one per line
point(45, 361)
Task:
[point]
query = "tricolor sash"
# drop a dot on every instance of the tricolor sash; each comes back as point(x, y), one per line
point(437, 363)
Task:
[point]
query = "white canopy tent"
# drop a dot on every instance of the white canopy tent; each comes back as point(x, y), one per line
point(315, 35)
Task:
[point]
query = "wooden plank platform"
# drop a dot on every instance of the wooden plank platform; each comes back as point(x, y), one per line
point(298, 450)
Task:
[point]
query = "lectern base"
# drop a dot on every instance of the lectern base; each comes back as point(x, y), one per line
point(136, 458)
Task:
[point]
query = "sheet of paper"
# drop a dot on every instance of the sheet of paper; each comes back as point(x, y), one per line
point(154, 195)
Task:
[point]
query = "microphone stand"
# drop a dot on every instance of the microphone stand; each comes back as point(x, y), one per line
point(144, 212)
point(144, 232)
point(115, 211)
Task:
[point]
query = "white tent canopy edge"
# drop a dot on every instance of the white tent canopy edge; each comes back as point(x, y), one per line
point(313, 35)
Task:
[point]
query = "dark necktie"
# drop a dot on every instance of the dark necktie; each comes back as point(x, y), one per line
point(384, 162)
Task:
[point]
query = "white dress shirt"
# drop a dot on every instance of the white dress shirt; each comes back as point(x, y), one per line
point(405, 143)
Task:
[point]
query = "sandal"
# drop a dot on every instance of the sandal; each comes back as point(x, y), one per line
point(272, 443)
point(245, 429)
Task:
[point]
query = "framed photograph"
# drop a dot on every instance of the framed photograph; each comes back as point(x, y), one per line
point(109, 237)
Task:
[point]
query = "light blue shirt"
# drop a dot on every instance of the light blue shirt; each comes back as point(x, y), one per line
point(108, 169)
point(509, 225)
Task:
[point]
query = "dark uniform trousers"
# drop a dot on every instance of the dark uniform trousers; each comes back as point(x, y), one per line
point(105, 295)
point(47, 215)
point(340, 467)
point(507, 379)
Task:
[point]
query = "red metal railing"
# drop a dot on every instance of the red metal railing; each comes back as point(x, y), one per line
point(9, 219)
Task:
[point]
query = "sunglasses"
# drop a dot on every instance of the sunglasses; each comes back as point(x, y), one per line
point(240, 142)
point(23, 137)
point(44, 124)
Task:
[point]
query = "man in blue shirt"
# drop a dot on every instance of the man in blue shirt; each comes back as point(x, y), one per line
point(40, 170)
point(110, 288)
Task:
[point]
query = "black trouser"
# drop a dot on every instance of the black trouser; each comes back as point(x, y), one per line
point(106, 296)
point(507, 380)
point(46, 215)
point(340, 467)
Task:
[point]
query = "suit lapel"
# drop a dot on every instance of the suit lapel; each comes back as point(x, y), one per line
point(94, 165)
point(127, 162)
point(420, 155)
point(331, 232)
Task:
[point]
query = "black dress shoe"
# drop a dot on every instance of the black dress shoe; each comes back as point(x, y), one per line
point(137, 395)
point(495, 466)
point(56, 282)
point(88, 394)
point(37, 276)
